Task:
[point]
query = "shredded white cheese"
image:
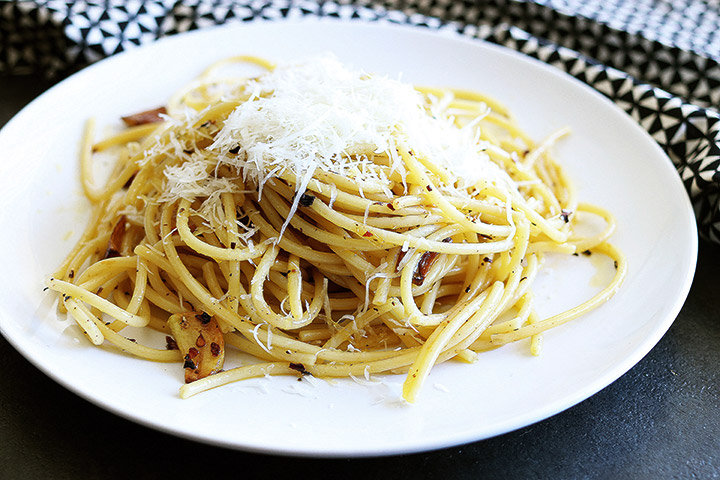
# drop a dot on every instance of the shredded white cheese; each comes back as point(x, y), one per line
point(315, 113)
point(319, 114)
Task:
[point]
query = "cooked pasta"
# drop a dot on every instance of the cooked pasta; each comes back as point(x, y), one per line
point(325, 221)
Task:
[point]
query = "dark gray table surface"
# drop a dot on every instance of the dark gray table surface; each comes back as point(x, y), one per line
point(659, 420)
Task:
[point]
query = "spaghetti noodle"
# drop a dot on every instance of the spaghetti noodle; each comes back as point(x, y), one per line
point(325, 221)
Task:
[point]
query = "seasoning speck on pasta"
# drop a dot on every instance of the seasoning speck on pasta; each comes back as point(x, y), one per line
point(326, 221)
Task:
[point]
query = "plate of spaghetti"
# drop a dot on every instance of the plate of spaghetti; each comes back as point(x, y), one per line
point(334, 247)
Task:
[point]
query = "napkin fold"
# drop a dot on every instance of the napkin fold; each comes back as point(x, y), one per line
point(658, 61)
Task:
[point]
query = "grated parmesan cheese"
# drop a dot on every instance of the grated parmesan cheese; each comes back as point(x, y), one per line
point(318, 114)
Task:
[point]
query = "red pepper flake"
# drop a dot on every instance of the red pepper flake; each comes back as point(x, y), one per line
point(204, 318)
point(214, 349)
point(391, 207)
point(244, 219)
point(299, 367)
point(367, 234)
point(170, 343)
point(306, 200)
point(429, 188)
point(189, 363)
point(143, 118)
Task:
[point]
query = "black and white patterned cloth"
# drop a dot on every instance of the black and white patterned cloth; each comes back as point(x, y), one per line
point(659, 60)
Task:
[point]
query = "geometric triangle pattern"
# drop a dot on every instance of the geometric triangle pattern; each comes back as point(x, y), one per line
point(658, 61)
point(672, 44)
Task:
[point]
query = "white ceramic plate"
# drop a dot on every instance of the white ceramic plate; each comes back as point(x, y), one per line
point(614, 163)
